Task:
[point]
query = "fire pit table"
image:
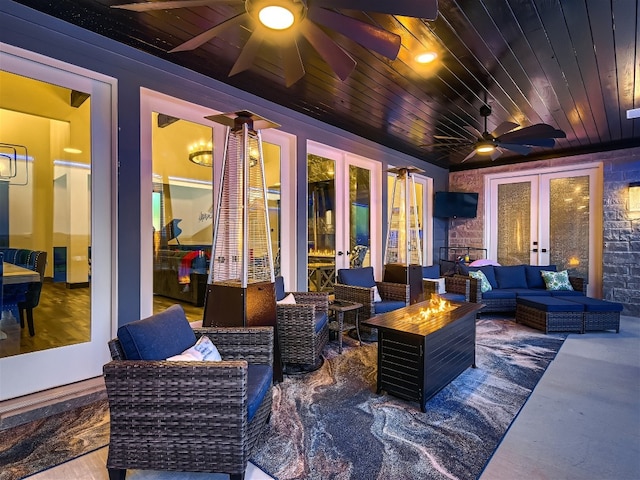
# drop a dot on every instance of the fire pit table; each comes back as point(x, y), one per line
point(418, 356)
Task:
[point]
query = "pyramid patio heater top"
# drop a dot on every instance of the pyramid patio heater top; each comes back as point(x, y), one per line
point(240, 290)
point(403, 252)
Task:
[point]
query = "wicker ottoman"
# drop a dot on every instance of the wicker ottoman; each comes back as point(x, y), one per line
point(550, 314)
point(599, 314)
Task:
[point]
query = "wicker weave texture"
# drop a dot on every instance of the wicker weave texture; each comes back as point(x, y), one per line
point(549, 321)
point(299, 341)
point(594, 321)
point(187, 416)
point(363, 295)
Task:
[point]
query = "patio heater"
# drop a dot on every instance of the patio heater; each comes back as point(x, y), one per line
point(241, 284)
point(403, 251)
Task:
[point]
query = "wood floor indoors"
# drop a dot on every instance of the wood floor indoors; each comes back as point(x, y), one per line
point(63, 317)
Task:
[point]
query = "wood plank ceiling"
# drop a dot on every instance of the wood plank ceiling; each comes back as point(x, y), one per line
point(574, 64)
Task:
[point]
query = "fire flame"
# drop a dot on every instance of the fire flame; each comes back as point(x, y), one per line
point(437, 305)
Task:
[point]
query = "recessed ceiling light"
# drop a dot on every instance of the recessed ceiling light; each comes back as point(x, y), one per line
point(426, 57)
point(72, 150)
point(276, 17)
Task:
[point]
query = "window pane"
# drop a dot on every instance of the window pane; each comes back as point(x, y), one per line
point(514, 224)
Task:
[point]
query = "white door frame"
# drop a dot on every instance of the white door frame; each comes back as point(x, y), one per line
point(31, 372)
point(540, 192)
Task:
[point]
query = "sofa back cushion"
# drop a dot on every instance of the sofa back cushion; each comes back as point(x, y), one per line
point(157, 337)
point(432, 271)
point(488, 271)
point(534, 277)
point(280, 293)
point(357, 277)
point(511, 277)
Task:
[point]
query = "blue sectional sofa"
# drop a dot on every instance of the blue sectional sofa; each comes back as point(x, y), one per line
point(510, 282)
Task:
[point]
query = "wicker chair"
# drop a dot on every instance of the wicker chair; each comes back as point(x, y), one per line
point(188, 416)
point(393, 295)
point(303, 327)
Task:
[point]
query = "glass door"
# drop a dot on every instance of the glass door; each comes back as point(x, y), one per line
point(56, 124)
point(548, 218)
point(342, 219)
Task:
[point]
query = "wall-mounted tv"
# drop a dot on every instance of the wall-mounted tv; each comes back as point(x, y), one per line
point(455, 205)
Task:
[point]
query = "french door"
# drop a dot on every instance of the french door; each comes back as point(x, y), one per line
point(344, 223)
point(550, 217)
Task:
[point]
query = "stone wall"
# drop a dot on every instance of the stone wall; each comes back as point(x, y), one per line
point(621, 229)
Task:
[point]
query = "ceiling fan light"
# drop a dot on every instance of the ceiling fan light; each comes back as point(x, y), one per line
point(426, 57)
point(276, 17)
point(485, 148)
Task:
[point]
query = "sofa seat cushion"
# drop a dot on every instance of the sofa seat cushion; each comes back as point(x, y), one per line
point(513, 276)
point(596, 305)
point(528, 292)
point(157, 337)
point(321, 319)
point(357, 277)
point(388, 306)
point(566, 293)
point(499, 294)
point(534, 277)
point(258, 383)
point(550, 304)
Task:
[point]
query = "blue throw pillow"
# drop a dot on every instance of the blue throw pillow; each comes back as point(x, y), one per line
point(511, 277)
point(280, 293)
point(357, 277)
point(534, 277)
point(157, 337)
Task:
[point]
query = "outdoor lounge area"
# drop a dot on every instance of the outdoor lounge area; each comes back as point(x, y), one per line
point(388, 240)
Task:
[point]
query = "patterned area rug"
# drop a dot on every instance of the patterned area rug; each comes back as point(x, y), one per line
point(330, 424)
point(41, 444)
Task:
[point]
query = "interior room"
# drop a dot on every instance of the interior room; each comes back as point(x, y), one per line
point(291, 200)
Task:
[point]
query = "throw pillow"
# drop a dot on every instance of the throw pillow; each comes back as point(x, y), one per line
point(485, 286)
point(556, 280)
point(288, 300)
point(203, 351)
point(376, 295)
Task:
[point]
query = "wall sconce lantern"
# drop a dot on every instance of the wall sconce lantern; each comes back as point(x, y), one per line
point(634, 197)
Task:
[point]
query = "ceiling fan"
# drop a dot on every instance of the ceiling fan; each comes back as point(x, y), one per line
point(284, 21)
point(506, 136)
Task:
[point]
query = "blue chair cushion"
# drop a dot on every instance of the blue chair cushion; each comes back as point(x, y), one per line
point(596, 305)
point(388, 305)
point(280, 293)
point(321, 319)
point(511, 277)
point(432, 271)
point(453, 297)
point(259, 378)
point(157, 337)
point(498, 293)
point(357, 277)
point(551, 304)
point(534, 278)
point(566, 293)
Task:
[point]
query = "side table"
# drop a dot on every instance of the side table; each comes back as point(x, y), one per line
point(338, 307)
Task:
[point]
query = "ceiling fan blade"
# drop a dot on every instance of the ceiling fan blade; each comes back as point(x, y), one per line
point(148, 6)
point(539, 130)
point(496, 153)
point(248, 53)
point(473, 130)
point(503, 128)
point(539, 142)
point(369, 36)
point(339, 60)
point(471, 155)
point(207, 35)
point(293, 66)
point(444, 137)
point(427, 9)
point(515, 147)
